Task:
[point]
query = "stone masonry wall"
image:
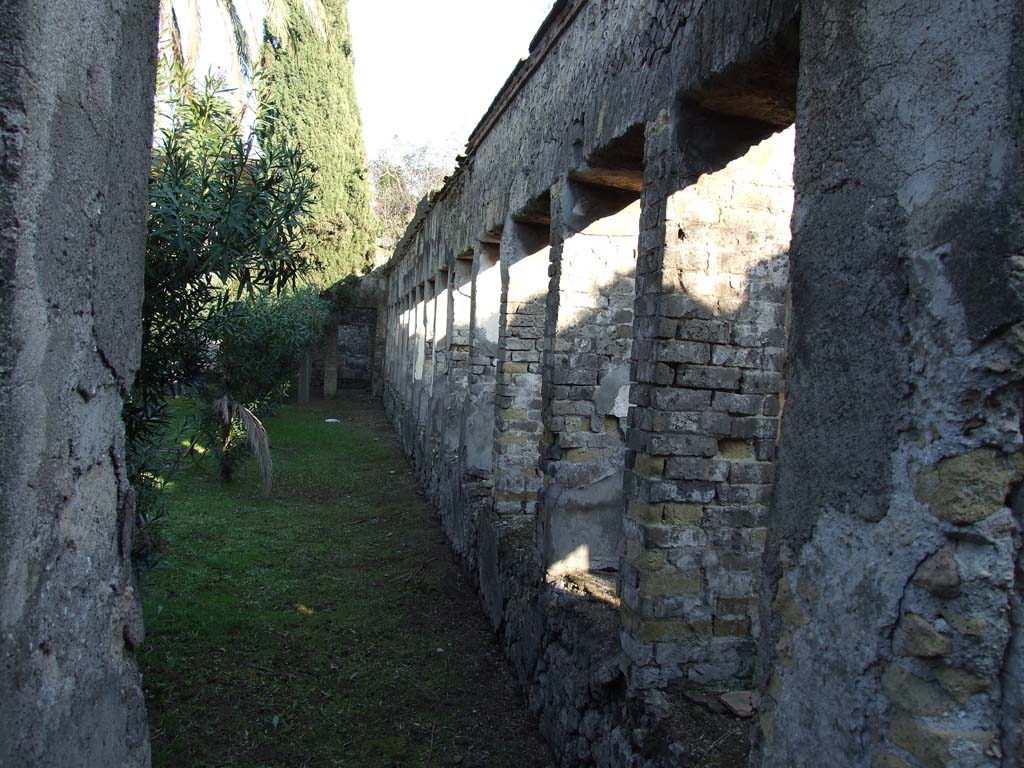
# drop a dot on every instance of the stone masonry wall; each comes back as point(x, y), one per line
point(76, 102)
point(868, 605)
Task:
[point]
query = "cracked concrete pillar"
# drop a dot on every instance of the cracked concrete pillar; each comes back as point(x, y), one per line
point(76, 96)
point(893, 609)
point(477, 434)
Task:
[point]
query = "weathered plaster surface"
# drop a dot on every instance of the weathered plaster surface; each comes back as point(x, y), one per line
point(892, 607)
point(76, 90)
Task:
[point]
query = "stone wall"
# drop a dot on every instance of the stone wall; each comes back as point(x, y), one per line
point(893, 588)
point(76, 94)
point(351, 353)
point(597, 412)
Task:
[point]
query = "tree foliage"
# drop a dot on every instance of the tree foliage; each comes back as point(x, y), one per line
point(308, 70)
point(183, 33)
point(224, 219)
point(401, 177)
point(261, 341)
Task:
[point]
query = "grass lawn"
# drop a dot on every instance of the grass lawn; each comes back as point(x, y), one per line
point(327, 625)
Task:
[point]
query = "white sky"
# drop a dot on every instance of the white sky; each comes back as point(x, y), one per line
point(426, 70)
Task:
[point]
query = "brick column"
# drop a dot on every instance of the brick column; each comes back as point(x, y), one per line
point(708, 361)
point(517, 424)
point(460, 307)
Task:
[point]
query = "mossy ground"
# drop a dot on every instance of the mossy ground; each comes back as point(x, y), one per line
point(326, 625)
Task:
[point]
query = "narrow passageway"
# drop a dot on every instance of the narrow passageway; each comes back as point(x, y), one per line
point(328, 625)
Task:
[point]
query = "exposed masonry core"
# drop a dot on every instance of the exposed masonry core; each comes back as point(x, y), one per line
point(517, 394)
point(709, 355)
point(588, 337)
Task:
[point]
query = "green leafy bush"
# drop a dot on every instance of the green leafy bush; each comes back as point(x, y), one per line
point(225, 220)
point(262, 340)
point(226, 216)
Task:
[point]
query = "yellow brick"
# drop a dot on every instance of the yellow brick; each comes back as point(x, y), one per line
point(673, 629)
point(968, 488)
point(732, 628)
point(654, 631)
point(661, 584)
point(645, 513)
point(684, 514)
point(736, 449)
point(652, 560)
point(649, 466)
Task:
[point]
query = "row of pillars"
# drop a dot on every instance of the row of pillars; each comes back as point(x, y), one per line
point(628, 408)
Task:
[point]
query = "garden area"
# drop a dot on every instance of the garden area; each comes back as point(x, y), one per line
point(325, 625)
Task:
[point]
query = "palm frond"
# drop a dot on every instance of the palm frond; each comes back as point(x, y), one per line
point(241, 39)
point(170, 31)
point(259, 443)
point(227, 410)
point(222, 407)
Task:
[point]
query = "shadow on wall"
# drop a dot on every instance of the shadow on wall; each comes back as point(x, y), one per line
point(705, 414)
point(648, 453)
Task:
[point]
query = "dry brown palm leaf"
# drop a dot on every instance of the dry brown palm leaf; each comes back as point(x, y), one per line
point(227, 410)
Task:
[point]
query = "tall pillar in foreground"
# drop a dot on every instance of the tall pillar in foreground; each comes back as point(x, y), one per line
point(895, 631)
point(76, 105)
point(711, 292)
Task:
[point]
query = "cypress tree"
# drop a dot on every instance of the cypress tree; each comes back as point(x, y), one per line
point(308, 75)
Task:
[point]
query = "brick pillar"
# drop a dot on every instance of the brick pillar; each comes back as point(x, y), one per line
point(517, 424)
point(460, 306)
point(331, 360)
point(589, 333)
point(708, 358)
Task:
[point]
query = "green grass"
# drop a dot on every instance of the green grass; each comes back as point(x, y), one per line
point(326, 625)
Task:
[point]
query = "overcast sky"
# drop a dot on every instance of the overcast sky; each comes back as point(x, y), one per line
point(426, 70)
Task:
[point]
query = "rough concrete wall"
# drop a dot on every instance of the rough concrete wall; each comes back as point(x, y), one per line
point(76, 92)
point(894, 624)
